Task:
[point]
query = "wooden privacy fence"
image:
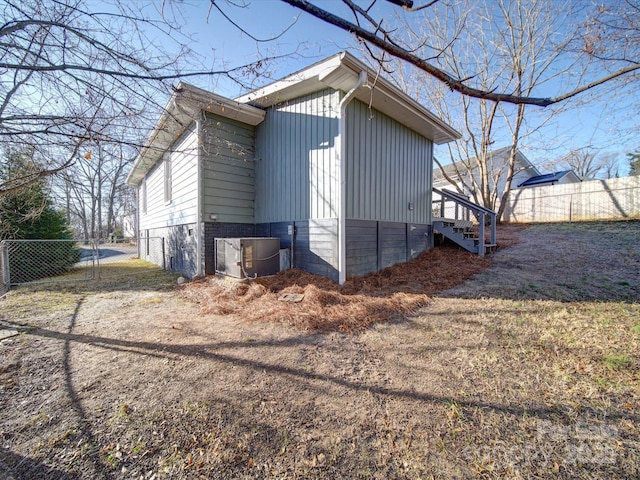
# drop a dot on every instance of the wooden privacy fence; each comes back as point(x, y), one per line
point(611, 199)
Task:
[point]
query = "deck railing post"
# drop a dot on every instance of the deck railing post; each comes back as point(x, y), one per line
point(493, 229)
point(481, 235)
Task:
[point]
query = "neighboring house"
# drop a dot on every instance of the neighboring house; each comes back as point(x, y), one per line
point(557, 178)
point(333, 160)
point(498, 164)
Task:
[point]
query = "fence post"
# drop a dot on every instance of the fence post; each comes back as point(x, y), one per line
point(164, 258)
point(97, 274)
point(4, 268)
point(570, 208)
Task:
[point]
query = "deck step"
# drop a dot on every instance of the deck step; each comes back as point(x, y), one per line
point(454, 222)
point(459, 232)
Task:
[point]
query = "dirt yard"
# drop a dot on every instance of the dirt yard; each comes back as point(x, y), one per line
point(528, 369)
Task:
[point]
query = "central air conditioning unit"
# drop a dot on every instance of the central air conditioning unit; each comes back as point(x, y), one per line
point(247, 257)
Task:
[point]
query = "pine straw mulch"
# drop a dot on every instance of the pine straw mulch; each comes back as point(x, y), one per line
point(362, 301)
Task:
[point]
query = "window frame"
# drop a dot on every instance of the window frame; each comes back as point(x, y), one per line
point(143, 196)
point(168, 179)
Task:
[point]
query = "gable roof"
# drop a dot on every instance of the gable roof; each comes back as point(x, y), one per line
point(548, 179)
point(500, 156)
point(341, 72)
point(183, 108)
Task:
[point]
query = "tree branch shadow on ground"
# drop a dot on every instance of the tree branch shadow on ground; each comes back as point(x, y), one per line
point(206, 351)
point(76, 404)
point(15, 466)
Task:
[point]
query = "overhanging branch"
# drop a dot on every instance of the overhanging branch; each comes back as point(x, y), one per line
point(453, 83)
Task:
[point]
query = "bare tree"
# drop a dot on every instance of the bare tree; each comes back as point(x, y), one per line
point(634, 163)
point(382, 33)
point(500, 56)
point(69, 67)
point(507, 46)
point(589, 164)
point(611, 165)
point(90, 186)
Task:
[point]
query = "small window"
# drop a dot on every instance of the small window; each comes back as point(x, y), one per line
point(167, 178)
point(143, 196)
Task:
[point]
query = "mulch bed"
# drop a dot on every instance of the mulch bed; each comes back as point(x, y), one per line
point(324, 305)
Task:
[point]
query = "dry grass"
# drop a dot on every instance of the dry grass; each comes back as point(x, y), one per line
point(497, 378)
point(361, 301)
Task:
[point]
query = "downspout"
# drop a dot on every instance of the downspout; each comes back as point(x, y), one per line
point(199, 219)
point(342, 205)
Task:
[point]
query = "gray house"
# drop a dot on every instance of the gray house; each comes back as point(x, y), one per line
point(467, 178)
point(333, 160)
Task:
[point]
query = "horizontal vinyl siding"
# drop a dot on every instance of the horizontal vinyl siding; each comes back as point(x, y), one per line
point(296, 176)
point(362, 247)
point(228, 169)
point(392, 243)
point(316, 247)
point(182, 208)
point(373, 246)
point(388, 167)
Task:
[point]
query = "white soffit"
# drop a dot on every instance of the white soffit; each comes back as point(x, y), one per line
point(340, 72)
point(185, 107)
point(296, 85)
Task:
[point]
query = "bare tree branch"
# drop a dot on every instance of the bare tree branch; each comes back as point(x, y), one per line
point(252, 37)
point(456, 84)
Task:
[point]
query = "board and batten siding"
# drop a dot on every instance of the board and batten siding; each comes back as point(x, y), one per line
point(182, 208)
point(389, 168)
point(315, 243)
point(228, 170)
point(296, 177)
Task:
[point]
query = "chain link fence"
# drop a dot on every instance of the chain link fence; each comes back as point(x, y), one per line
point(48, 261)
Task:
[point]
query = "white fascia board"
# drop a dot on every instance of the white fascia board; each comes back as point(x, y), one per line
point(184, 107)
point(225, 107)
point(400, 106)
point(302, 82)
point(157, 142)
point(340, 72)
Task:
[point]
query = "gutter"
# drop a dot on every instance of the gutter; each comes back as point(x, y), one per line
point(342, 205)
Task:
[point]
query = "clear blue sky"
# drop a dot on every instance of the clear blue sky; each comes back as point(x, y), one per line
point(608, 125)
point(308, 39)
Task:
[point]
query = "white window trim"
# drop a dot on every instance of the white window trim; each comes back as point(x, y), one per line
point(143, 196)
point(168, 179)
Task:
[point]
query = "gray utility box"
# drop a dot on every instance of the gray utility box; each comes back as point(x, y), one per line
point(247, 257)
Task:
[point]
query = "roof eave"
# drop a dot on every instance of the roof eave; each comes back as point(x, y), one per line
point(340, 72)
point(411, 113)
point(181, 111)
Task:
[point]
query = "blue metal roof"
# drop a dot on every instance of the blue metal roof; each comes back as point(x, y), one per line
point(549, 178)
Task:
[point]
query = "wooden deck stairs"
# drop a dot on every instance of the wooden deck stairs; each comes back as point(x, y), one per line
point(452, 219)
